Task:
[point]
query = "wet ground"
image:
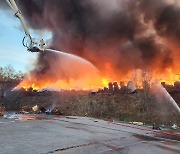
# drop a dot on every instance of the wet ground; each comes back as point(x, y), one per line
point(44, 134)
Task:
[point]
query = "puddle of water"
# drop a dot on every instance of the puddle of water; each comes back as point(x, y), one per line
point(23, 117)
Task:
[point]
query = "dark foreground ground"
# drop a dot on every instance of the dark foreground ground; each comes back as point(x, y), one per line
point(40, 134)
point(131, 107)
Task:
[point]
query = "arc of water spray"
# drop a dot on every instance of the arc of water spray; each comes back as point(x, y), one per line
point(75, 57)
point(171, 99)
point(164, 93)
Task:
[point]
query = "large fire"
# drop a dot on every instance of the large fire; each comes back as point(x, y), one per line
point(170, 78)
point(63, 85)
point(98, 82)
point(59, 70)
point(117, 37)
point(64, 71)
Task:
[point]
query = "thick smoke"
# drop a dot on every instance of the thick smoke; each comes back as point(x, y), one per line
point(118, 35)
point(3, 5)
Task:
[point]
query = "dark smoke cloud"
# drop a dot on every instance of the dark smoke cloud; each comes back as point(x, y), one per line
point(3, 4)
point(168, 22)
point(104, 32)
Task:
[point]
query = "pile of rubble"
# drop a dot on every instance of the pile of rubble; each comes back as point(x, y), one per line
point(40, 109)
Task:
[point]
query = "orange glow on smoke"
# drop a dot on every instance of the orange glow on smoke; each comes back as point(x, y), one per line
point(81, 75)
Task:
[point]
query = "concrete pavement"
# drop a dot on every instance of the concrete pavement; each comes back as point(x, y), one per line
point(42, 134)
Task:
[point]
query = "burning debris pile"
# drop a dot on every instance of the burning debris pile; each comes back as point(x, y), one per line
point(121, 103)
point(116, 36)
point(132, 87)
point(114, 87)
point(143, 105)
point(39, 109)
point(105, 41)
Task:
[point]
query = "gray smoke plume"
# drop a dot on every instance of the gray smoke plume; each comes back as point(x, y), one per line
point(120, 34)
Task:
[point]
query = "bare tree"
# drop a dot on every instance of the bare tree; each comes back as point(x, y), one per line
point(8, 73)
point(1, 74)
point(18, 76)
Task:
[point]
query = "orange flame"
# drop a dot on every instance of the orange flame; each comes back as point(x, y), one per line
point(86, 83)
point(84, 76)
